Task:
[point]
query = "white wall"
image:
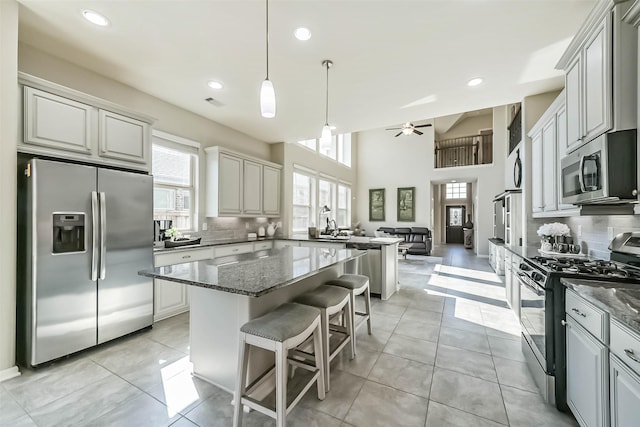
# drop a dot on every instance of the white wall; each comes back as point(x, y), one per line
point(407, 161)
point(169, 118)
point(468, 127)
point(8, 141)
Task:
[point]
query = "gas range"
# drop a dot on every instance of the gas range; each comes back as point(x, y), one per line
point(542, 306)
point(585, 268)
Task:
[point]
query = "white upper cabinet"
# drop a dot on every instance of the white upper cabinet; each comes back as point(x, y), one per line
point(271, 191)
point(601, 75)
point(549, 181)
point(56, 122)
point(123, 138)
point(240, 186)
point(537, 202)
point(252, 194)
point(65, 123)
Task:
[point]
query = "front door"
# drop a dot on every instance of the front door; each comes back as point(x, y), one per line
point(455, 218)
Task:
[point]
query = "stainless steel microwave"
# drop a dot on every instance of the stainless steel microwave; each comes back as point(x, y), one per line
point(603, 171)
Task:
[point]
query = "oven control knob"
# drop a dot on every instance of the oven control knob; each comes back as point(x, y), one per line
point(524, 267)
point(634, 193)
point(537, 276)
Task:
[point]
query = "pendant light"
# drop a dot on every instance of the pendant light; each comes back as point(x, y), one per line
point(326, 129)
point(267, 93)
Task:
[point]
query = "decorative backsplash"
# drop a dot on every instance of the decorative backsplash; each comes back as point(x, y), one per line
point(222, 228)
point(597, 231)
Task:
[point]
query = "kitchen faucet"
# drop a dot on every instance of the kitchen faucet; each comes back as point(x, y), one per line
point(334, 228)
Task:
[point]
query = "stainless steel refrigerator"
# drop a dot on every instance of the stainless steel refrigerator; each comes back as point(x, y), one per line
point(83, 234)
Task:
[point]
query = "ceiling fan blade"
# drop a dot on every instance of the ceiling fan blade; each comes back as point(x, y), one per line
point(423, 126)
point(398, 134)
point(417, 131)
point(392, 128)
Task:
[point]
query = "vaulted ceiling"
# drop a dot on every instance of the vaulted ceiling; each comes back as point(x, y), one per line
point(394, 60)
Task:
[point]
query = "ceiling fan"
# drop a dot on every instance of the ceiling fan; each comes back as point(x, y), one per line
point(409, 128)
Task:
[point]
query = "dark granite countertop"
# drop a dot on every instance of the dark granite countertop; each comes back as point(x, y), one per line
point(353, 240)
point(620, 300)
point(254, 274)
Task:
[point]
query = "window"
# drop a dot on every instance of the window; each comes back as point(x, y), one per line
point(306, 205)
point(343, 215)
point(456, 190)
point(338, 147)
point(174, 182)
point(303, 201)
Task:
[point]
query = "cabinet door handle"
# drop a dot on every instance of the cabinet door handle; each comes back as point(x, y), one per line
point(631, 355)
point(563, 322)
point(578, 312)
point(186, 257)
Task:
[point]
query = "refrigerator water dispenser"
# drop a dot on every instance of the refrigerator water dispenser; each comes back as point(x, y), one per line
point(68, 232)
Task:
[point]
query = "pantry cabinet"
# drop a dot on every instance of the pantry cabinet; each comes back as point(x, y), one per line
point(601, 83)
point(241, 186)
point(64, 123)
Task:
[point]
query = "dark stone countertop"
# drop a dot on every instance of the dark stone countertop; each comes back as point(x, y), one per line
point(254, 274)
point(354, 241)
point(620, 300)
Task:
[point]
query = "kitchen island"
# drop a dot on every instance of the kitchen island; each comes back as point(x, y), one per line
point(229, 291)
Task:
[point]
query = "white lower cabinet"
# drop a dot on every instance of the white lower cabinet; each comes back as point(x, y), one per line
point(625, 395)
point(170, 298)
point(587, 376)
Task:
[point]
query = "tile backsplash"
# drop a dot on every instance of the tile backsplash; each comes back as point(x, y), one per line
point(593, 233)
point(222, 228)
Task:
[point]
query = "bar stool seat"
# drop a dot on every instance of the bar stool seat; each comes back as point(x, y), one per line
point(280, 330)
point(331, 300)
point(358, 285)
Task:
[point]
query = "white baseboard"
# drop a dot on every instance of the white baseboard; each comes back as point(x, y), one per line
point(9, 373)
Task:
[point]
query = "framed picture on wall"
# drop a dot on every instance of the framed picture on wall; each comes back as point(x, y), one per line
point(376, 204)
point(406, 204)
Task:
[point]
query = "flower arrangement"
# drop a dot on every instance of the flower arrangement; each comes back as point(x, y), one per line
point(554, 229)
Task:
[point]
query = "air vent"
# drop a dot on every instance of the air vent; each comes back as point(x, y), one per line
point(214, 102)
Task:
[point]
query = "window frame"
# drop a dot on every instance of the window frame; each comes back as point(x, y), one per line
point(456, 190)
point(312, 198)
point(190, 148)
point(341, 145)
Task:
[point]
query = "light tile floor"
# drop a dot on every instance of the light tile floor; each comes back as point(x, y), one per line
point(445, 351)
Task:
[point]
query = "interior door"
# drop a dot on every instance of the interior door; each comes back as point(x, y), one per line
point(455, 218)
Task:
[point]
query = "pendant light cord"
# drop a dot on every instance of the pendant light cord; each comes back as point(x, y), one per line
point(267, 38)
point(326, 111)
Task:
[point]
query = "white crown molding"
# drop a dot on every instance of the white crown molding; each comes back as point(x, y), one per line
point(633, 14)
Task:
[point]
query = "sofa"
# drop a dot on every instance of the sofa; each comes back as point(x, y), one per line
point(417, 240)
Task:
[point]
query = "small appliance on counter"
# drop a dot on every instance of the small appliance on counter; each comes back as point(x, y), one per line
point(160, 226)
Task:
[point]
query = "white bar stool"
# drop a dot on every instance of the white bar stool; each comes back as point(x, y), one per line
point(331, 300)
point(279, 331)
point(358, 285)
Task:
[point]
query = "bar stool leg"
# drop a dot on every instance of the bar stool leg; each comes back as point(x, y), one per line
point(317, 350)
point(324, 323)
point(241, 381)
point(281, 386)
point(367, 304)
point(351, 326)
point(352, 302)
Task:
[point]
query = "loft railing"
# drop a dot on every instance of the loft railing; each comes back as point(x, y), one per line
point(464, 151)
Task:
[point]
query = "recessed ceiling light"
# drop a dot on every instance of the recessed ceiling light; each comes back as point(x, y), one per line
point(214, 84)
point(475, 82)
point(453, 180)
point(302, 33)
point(95, 18)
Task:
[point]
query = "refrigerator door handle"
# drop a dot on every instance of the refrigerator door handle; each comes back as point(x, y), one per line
point(94, 238)
point(103, 235)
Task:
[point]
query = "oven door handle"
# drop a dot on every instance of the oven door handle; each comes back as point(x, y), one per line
point(538, 291)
